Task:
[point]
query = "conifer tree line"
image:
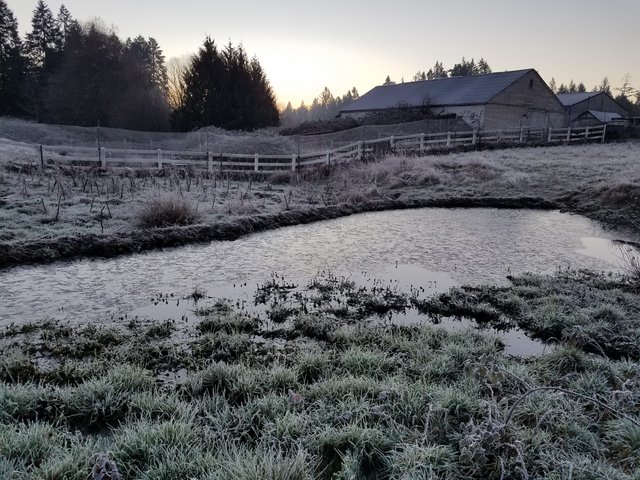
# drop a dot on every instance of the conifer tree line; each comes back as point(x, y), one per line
point(324, 107)
point(69, 72)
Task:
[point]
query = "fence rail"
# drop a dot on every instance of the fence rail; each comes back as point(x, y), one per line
point(416, 144)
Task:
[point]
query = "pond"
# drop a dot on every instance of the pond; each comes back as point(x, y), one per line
point(434, 248)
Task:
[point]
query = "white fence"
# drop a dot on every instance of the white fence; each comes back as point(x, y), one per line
point(417, 144)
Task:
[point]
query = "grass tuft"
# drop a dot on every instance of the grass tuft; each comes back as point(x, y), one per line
point(166, 210)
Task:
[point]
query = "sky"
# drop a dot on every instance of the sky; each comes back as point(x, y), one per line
point(304, 46)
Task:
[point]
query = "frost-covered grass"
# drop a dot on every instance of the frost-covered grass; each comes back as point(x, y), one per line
point(599, 180)
point(359, 399)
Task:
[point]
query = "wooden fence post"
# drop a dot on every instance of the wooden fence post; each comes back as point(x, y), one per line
point(328, 160)
point(360, 150)
point(159, 158)
point(294, 157)
point(256, 162)
point(586, 134)
point(521, 135)
point(604, 132)
point(102, 154)
point(474, 139)
point(549, 135)
point(41, 155)
point(392, 143)
point(210, 162)
point(569, 135)
point(448, 139)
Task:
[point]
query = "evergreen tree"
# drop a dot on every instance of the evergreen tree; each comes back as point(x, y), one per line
point(225, 89)
point(464, 68)
point(11, 63)
point(483, 67)
point(149, 59)
point(553, 86)
point(420, 76)
point(65, 23)
point(605, 86)
point(436, 72)
point(157, 65)
point(202, 87)
point(43, 48)
point(88, 82)
point(581, 88)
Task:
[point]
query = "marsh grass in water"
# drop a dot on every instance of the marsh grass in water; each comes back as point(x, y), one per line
point(325, 395)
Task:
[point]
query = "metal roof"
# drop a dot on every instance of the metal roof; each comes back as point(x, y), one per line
point(603, 117)
point(471, 90)
point(569, 99)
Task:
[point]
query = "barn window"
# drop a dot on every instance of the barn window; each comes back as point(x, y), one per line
point(531, 83)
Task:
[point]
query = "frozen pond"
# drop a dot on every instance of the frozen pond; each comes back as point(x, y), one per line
point(435, 248)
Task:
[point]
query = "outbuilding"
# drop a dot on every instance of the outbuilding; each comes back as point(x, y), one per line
point(490, 101)
point(591, 108)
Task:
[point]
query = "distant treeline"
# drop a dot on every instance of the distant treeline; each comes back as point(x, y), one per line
point(82, 74)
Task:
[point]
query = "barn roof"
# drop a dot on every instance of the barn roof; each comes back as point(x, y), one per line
point(471, 90)
point(603, 117)
point(569, 99)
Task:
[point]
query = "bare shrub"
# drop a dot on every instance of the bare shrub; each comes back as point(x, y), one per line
point(165, 210)
point(281, 178)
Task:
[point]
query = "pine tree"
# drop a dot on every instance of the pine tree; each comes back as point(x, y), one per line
point(43, 49)
point(436, 72)
point(553, 86)
point(149, 59)
point(44, 43)
point(65, 23)
point(605, 86)
point(201, 101)
point(466, 68)
point(483, 67)
point(420, 76)
point(157, 65)
point(225, 89)
point(11, 63)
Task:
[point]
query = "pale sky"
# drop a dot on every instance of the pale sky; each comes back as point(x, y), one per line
point(304, 46)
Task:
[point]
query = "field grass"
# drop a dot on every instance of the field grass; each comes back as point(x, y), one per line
point(327, 393)
point(601, 181)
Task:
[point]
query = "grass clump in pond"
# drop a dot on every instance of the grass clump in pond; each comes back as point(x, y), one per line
point(324, 396)
point(594, 312)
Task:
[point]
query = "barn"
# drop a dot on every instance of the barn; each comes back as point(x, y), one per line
point(591, 108)
point(490, 101)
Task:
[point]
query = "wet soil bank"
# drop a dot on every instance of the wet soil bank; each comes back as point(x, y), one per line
point(47, 250)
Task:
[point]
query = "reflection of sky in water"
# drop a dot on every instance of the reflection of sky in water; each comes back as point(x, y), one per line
point(470, 245)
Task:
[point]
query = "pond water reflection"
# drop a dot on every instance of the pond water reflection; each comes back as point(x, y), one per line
point(434, 247)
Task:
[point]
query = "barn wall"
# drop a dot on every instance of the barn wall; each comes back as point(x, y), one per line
point(528, 102)
point(473, 115)
point(601, 103)
point(506, 117)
